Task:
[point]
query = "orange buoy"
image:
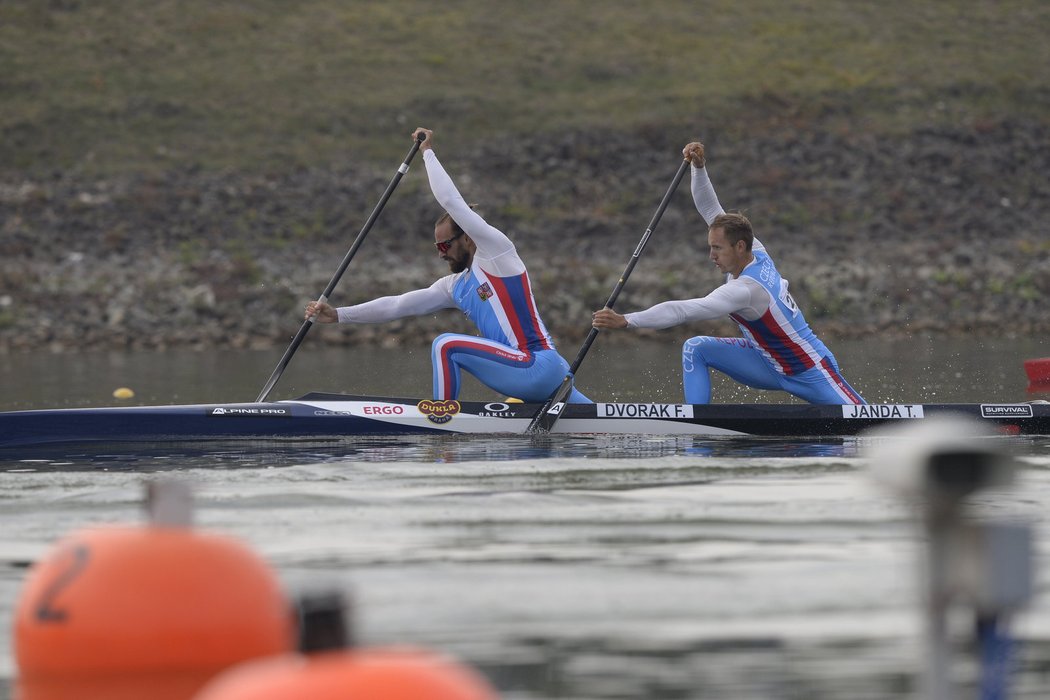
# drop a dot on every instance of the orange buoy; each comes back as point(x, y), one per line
point(361, 674)
point(153, 612)
point(1038, 372)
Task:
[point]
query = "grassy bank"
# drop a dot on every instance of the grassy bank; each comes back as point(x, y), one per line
point(105, 86)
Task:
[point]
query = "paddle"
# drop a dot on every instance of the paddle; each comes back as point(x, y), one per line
point(551, 409)
point(305, 328)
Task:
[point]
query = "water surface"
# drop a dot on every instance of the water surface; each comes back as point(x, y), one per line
point(570, 566)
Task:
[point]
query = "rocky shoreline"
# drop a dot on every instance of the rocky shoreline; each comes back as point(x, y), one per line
point(940, 230)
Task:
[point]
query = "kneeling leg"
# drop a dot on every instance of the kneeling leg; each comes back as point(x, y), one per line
point(735, 357)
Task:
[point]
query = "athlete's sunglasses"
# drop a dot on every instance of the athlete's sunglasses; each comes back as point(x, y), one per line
point(444, 245)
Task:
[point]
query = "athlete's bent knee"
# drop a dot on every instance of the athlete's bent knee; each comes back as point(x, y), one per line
point(692, 352)
point(441, 339)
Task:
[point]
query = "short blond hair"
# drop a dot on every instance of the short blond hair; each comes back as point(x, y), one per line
point(736, 227)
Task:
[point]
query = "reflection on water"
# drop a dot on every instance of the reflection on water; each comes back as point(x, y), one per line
point(443, 449)
point(417, 448)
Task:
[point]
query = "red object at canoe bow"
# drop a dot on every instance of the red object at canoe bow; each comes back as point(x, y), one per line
point(1038, 372)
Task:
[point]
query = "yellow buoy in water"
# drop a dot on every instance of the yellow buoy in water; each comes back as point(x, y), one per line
point(123, 393)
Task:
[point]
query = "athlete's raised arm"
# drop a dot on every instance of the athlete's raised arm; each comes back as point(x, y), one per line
point(704, 196)
point(492, 244)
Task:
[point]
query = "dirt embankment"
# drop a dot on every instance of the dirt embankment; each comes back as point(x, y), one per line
point(941, 230)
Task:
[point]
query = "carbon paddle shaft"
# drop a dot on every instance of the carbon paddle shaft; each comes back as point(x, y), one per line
point(305, 328)
point(552, 408)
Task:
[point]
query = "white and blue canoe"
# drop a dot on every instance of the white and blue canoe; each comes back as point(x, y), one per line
point(324, 416)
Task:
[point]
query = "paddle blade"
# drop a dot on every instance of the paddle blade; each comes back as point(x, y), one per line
point(551, 410)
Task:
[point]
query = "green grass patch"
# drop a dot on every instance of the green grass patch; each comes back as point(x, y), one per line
point(111, 86)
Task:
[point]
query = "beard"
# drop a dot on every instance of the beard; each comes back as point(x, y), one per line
point(459, 264)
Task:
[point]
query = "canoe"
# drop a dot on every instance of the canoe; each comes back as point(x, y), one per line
point(322, 415)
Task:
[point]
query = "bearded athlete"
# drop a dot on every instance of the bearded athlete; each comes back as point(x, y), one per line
point(514, 354)
point(778, 349)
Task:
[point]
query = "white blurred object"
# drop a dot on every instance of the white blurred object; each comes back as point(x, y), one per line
point(936, 464)
point(941, 459)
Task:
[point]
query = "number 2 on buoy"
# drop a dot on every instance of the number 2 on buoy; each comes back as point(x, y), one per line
point(46, 610)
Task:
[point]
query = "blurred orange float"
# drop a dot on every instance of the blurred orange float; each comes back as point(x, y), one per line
point(144, 612)
point(360, 674)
